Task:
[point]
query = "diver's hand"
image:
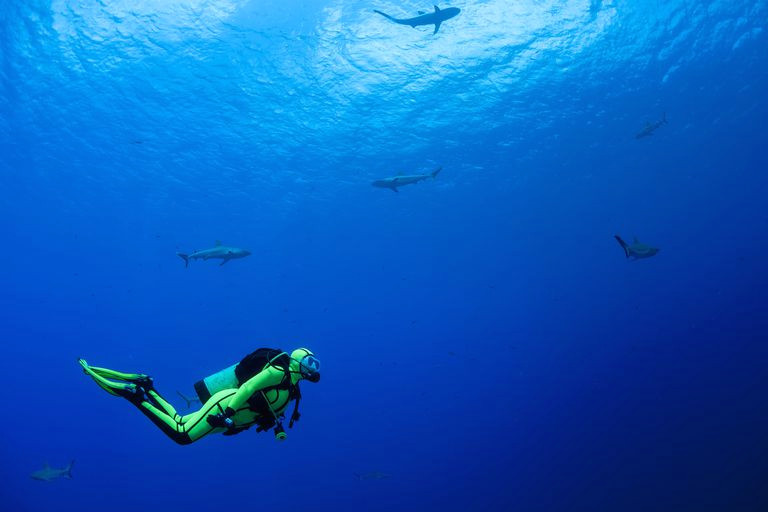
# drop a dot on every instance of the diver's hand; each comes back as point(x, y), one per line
point(220, 421)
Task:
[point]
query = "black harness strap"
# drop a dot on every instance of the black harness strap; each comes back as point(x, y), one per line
point(296, 414)
point(259, 403)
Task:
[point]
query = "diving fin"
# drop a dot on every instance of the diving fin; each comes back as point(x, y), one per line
point(132, 386)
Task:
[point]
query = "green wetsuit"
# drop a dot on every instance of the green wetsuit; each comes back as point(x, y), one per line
point(265, 394)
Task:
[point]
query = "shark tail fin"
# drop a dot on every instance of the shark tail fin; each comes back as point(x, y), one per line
point(385, 15)
point(184, 257)
point(186, 399)
point(623, 245)
point(68, 474)
point(436, 172)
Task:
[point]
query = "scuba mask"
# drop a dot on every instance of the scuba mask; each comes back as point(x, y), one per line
point(309, 366)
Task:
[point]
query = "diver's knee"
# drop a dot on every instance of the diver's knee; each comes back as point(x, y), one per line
point(183, 439)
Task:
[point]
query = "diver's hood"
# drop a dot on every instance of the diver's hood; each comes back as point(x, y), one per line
point(304, 365)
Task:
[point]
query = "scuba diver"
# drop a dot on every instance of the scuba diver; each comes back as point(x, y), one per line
point(255, 391)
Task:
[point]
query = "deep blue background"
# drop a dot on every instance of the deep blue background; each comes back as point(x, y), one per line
point(484, 341)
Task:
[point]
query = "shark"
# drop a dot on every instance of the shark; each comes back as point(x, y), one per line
point(636, 250)
point(188, 400)
point(400, 180)
point(48, 473)
point(425, 18)
point(221, 252)
point(652, 127)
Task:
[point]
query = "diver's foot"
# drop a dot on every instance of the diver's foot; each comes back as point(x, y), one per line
point(145, 382)
point(132, 393)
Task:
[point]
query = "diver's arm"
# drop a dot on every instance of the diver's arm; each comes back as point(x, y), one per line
point(268, 377)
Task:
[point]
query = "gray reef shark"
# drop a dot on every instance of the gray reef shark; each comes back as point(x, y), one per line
point(400, 180)
point(221, 252)
point(426, 18)
point(636, 250)
point(48, 473)
point(190, 400)
point(652, 127)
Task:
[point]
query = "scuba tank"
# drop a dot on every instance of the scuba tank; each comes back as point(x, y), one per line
point(212, 384)
point(236, 375)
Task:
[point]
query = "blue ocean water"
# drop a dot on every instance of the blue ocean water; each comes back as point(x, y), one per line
point(485, 343)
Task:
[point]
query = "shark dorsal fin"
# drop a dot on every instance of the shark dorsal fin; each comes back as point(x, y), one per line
point(46, 465)
point(437, 9)
point(218, 243)
point(635, 240)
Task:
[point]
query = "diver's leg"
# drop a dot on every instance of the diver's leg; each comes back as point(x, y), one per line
point(166, 420)
point(151, 404)
point(169, 425)
point(190, 428)
point(161, 403)
point(148, 402)
point(196, 424)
